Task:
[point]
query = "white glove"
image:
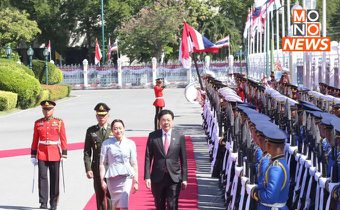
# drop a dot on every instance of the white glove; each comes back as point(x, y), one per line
point(63, 158)
point(249, 188)
point(34, 161)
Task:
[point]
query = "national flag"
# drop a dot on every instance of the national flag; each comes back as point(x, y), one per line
point(256, 12)
point(193, 41)
point(49, 46)
point(98, 54)
point(271, 5)
point(57, 56)
point(245, 32)
point(258, 24)
point(223, 42)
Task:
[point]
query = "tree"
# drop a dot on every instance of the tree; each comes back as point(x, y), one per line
point(78, 22)
point(335, 25)
point(15, 26)
point(219, 27)
point(153, 31)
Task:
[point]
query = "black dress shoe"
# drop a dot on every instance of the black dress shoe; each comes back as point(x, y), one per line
point(43, 206)
point(53, 208)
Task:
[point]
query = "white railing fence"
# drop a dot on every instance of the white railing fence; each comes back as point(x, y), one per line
point(90, 76)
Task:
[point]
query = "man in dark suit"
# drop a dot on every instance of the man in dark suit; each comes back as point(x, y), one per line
point(166, 150)
point(95, 135)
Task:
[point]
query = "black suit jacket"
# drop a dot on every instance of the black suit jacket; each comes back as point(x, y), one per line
point(175, 161)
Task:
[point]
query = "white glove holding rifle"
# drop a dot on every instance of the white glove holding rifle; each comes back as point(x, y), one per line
point(34, 160)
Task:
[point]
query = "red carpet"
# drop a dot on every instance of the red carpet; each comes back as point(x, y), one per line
point(27, 151)
point(143, 198)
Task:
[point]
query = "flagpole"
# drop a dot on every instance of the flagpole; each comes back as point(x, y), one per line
point(290, 55)
point(272, 43)
point(324, 33)
point(267, 40)
point(198, 73)
point(248, 40)
point(103, 34)
point(283, 29)
point(117, 49)
point(229, 46)
point(277, 29)
point(257, 41)
point(305, 63)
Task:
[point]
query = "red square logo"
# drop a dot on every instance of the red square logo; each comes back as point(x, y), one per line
point(313, 29)
point(299, 16)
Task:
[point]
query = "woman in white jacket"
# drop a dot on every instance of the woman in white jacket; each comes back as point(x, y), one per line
point(118, 164)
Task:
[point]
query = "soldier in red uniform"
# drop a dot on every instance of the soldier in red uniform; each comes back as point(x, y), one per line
point(240, 89)
point(49, 147)
point(159, 101)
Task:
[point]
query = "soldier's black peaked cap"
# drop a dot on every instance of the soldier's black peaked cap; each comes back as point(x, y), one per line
point(273, 133)
point(47, 104)
point(101, 108)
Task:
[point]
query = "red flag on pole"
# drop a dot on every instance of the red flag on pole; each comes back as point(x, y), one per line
point(49, 46)
point(193, 41)
point(98, 54)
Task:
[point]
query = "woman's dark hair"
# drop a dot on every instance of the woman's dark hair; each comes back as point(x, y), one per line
point(164, 112)
point(117, 120)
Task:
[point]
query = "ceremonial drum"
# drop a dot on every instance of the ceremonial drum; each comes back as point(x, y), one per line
point(191, 93)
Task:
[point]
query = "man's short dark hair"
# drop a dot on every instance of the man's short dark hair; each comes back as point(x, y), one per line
point(164, 112)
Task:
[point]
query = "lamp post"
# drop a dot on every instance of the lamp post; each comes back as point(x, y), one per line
point(8, 51)
point(30, 54)
point(46, 53)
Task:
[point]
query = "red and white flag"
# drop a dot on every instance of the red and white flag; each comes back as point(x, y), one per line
point(98, 54)
point(193, 41)
point(49, 46)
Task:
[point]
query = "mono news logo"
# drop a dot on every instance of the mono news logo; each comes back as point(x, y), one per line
point(306, 33)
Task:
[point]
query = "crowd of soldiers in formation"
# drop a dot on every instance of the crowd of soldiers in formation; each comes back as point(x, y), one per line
point(238, 122)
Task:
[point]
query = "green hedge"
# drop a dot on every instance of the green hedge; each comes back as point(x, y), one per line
point(16, 80)
point(8, 100)
point(56, 92)
point(55, 76)
point(44, 95)
point(11, 63)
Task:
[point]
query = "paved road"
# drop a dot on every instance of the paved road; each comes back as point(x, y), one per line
point(134, 106)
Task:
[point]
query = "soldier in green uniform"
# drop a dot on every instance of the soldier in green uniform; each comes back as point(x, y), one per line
point(95, 136)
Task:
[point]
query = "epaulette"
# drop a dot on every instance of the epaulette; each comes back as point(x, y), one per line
point(38, 120)
point(278, 163)
point(57, 118)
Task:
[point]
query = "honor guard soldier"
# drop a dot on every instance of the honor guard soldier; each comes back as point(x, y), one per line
point(95, 136)
point(273, 194)
point(49, 147)
point(159, 100)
